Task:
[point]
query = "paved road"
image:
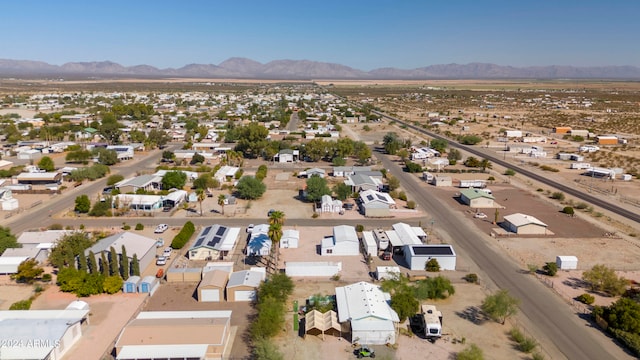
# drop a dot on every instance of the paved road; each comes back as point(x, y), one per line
point(41, 216)
point(292, 125)
point(631, 215)
point(547, 312)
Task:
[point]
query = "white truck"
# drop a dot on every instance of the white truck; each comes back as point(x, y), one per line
point(432, 322)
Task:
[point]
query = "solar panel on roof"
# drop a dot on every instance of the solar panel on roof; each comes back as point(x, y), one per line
point(200, 241)
point(381, 197)
point(369, 197)
point(221, 230)
point(206, 231)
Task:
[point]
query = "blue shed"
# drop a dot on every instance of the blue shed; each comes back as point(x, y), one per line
point(131, 285)
point(149, 284)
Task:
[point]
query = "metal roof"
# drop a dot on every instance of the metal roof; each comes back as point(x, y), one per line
point(134, 243)
point(217, 237)
point(245, 278)
point(344, 233)
point(363, 300)
point(519, 219)
point(432, 250)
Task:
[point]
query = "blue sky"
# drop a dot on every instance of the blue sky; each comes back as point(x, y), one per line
point(360, 34)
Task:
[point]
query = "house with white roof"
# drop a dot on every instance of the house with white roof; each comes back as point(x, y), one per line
point(290, 239)
point(365, 307)
point(522, 224)
point(40, 334)
point(138, 202)
point(329, 205)
point(175, 335)
point(143, 182)
point(143, 247)
point(226, 173)
point(375, 203)
point(361, 182)
point(259, 243)
point(7, 201)
point(343, 242)
point(214, 242)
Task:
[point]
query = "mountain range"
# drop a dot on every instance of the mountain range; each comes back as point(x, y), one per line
point(306, 69)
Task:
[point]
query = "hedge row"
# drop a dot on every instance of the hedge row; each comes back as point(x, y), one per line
point(180, 240)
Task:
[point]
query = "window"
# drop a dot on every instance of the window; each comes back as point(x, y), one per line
point(329, 251)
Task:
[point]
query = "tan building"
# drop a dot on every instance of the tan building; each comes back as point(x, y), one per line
point(175, 335)
point(211, 288)
point(522, 224)
point(243, 285)
point(477, 198)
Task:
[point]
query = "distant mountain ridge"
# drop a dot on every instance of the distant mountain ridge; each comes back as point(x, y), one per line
point(236, 67)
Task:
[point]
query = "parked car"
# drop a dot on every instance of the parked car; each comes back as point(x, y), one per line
point(480, 215)
point(161, 228)
point(250, 228)
point(161, 261)
point(167, 252)
point(386, 255)
point(160, 273)
point(160, 243)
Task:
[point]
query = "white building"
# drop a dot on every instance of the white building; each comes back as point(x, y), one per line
point(259, 243)
point(290, 239)
point(328, 205)
point(366, 308)
point(40, 334)
point(417, 256)
point(343, 242)
point(214, 242)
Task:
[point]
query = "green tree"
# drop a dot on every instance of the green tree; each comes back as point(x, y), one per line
point(485, 164)
point(46, 164)
point(470, 139)
point(393, 182)
point(252, 139)
point(603, 278)
point(221, 200)
point(174, 180)
point(114, 179)
point(168, 155)
point(124, 264)
point(78, 156)
point(68, 248)
point(413, 167)
point(201, 196)
point(316, 188)
point(264, 349)
point(405, 304)
point(439, 145)
point(510, 172)
point(106, 156)
point(500, 306)
point(453, 156)
point(362, 152)
point(270, 318)
point(432, 265)
point(83, 204)
point(279, 287)
point(113, 262)
point(104, 265)
point(82, 262)
point(338, 161)
point(472, 161)
point(551, 268)
point(391, 143)
point(112, 284)
point(101, 208)
point(624, 314)
point(93, 265)
point(135, 265)
point(7, 240)
point(197, 159)
point(28, 271)
point(403, 154)
point(205, 181)
point(250, 188)
point(438, 287)
point(158, 138)
point(472, 352)
point(342, 191)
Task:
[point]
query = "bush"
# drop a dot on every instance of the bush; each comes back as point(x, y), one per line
point(411, 204)
point(516, 335)
point(472, 278)
point(510, 172)
point(126, 227)
point(629, 340)
point(558, 196)
point(402, 196)
point(473, 352)
point(46, 277)
point(551, 268)
point(533, 268)
point(181, 239)
point(21, 305)
point(568, 210)
point(527, 345)
point(432, 265)
point(139, 227)
point(359, 228)
point(582, 206)
point(413, 167)
point(586, 299)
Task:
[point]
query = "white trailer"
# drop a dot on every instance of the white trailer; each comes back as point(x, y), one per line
point(381, 238)
point(369, 244)
point(432, 322)
point(581, 166)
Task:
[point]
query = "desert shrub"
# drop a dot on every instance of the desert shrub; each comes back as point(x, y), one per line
point(582, 205)
point(46, 277)
point(539, 190)
point(568, 210)
point(510, 172)
point(21, 305)
point(126, 227)
point(516, 335)
point(402, 196)
point(139, 226)
point(548, 168)
point(630, 340)
point(472, 278)
point(551, 268)
point(586, 299)
point(557, 195)
point(359, 228)
point(527, 345)
point(411, 204)
point(533, 268)
point(432, 265)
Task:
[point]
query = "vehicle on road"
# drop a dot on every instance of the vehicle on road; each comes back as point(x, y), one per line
point(480, 215)
point(167, 252)
point(160, 243)
point(161, 228)
point(364, 352)
point(161, 261)
point(160, 273)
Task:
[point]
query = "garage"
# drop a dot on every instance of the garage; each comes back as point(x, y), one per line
point(417, 256)
point(242, 285)
point(211, 288)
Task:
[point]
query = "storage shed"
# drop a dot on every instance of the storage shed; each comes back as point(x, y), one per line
point(524, 224)
point(369, 244)
point(211, 288)
point(476, 198)
point(243, 285)
point(131, 284)
point(290, 239)
point(316, 268)
point(387, 272)
point(417, 256)
point(184, 275)
point(567, 262)
point(149, 284)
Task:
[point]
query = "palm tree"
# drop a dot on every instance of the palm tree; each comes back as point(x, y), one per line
point(221, 199)
point(201, 197)
point(276, 217)
point(275, 234)
point(485, 164)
